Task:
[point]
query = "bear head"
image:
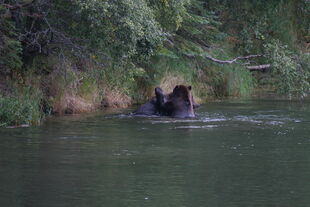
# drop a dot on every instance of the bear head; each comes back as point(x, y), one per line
point(180, 102)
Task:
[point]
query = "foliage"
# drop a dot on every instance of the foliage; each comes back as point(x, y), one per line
point(251, 24)
point(124, 77)
point(291, 72)
point(229, 80)
point(122, 28)
point(170, 13)
point(240, 81)
point(10, 47)
point(250, 27)
point(23, 107)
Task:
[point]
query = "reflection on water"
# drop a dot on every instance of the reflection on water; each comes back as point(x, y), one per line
point(242, 153)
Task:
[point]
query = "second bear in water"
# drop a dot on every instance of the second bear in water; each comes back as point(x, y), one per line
point(180, 103)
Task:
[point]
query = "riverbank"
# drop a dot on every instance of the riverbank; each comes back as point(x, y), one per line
point(73, 88)
point(68, 57)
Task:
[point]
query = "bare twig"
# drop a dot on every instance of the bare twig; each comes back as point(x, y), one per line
point(42, 35)
point(17, 5)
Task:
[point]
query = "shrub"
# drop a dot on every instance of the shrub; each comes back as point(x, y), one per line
point(21, 108)
point(290, 70)
point(122, 28)
point(10, 47)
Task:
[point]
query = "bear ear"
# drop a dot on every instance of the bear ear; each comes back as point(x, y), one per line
point(176, 87)
point(158, 90)
point(189, 87)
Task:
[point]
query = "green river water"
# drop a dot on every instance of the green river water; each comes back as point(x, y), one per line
point(233, 154)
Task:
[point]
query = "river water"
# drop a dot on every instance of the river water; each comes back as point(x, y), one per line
point(233, 154)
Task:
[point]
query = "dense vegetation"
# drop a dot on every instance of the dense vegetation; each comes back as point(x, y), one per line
point(66, 56)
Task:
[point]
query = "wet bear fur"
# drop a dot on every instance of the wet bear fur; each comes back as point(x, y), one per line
point(180, 103)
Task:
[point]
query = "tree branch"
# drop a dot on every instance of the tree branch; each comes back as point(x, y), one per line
point(226, 61)
point(258, 67)
point(251, 68)
point(17, 5)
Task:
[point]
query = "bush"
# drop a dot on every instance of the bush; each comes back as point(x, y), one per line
point(122, 28)
point(22, 108)
point(10, 47)
point(290, 69)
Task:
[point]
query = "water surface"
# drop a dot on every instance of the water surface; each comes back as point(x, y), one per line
point(233, 154)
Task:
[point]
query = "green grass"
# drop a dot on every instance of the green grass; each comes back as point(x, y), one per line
point(21, 108)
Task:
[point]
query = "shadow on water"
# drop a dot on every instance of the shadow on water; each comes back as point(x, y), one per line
point(234, 153)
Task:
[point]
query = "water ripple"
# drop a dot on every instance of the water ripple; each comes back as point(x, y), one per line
point(196, 127)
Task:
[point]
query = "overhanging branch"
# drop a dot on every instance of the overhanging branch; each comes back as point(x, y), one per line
point(258, 67)
point(226, 61)
point(252, 68)
point(233, 60)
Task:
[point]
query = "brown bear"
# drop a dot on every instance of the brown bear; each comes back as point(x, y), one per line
point(180, 103)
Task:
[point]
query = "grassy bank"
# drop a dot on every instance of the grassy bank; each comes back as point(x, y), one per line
point(22, 107)
point(62, 88)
